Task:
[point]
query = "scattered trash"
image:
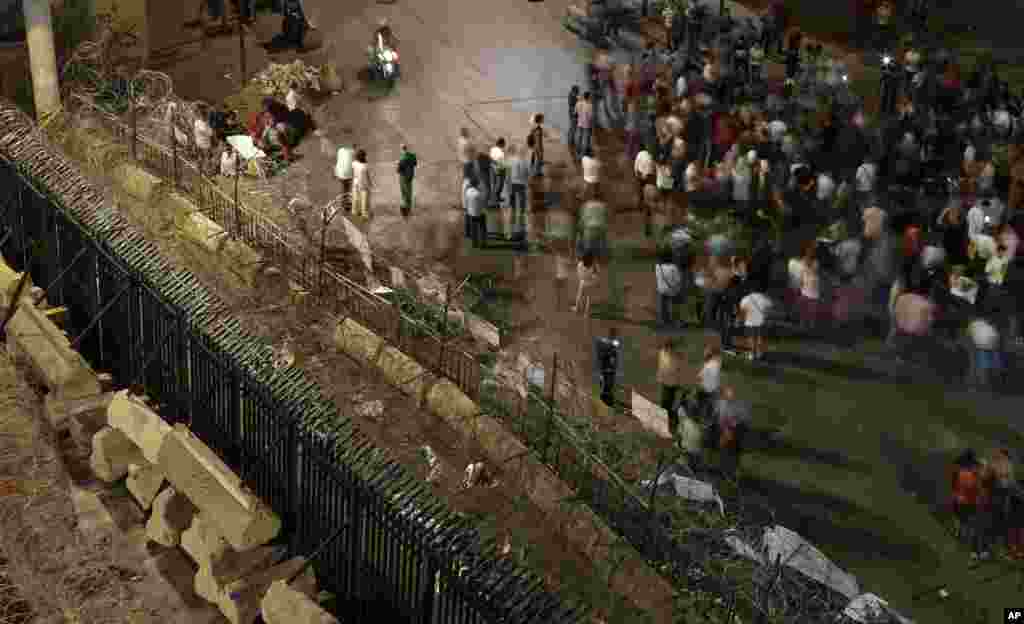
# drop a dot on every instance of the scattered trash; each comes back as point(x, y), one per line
point(433, 464)
point(782, 544)
point(277, 78)
point(374, 410)
point(690, 489)
point(473, 474)
point(869, 608)
point(943, 593)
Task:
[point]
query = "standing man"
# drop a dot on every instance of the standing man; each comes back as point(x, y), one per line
point(585, 121)
point(343, 171)
point(498, 172)
point(362, 185)
point(406, 173)
point(518, 177)
point(294, 24)
point(608, 354)
point(537, 132)
point(574, 96)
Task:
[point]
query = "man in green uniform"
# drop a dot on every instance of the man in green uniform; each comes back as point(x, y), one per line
point(406, 173)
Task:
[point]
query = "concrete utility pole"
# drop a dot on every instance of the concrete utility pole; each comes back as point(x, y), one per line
point(42, 56)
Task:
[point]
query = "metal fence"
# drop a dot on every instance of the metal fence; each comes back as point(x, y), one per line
point(331, 289)
point(378, 538)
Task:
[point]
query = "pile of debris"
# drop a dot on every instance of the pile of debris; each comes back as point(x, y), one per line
point(277, 78)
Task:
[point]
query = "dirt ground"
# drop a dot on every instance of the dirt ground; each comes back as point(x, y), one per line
point(403, 428)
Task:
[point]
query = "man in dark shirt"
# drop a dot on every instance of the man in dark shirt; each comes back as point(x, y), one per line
point(800, 221)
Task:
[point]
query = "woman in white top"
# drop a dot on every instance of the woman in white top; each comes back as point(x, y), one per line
point(586, 271)
point(591, 175)
point(362, 185)
point(810, 292)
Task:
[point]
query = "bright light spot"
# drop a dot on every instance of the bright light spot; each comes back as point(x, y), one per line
point(886, 59)
point(845, 77)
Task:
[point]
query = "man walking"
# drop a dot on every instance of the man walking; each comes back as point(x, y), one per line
point(585, 121)
point(497, 172)
point(406, 173)
point(343, 171)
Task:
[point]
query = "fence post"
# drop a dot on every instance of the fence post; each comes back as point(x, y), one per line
point(174, 154)
point(135, 129)
point(238, 174)
point(444, 327)
point(241, 53)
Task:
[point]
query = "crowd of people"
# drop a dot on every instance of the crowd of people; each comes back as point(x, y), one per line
point(903, 223)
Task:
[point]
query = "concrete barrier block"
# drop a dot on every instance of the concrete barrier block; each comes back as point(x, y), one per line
point(210, 584)
point(203, 230)
point(9, 279)
point(60, 411)
point(200, 475)
point(358, 341)
point(172, 514)
point(112, 454)
point(284, 604)
point(404, 373)
point(136, 181)
point(446, 400)
point(144, 483)
point(34, 339)
point(139, 422)
point(240, 601)
point(204, 543)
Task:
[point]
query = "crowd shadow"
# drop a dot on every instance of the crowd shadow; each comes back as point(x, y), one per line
point(818, 517)
point(769, 441)
point(919, 473)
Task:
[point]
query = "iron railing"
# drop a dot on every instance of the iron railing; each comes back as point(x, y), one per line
point(379, 539)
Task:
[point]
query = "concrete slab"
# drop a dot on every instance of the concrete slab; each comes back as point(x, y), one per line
point(211, 485)
point(140, 423)
point(112, 454)
point(283, 604)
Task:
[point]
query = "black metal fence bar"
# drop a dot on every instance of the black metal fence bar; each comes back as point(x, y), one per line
point(396, 557)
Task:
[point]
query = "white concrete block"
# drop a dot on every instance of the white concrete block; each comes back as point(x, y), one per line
point(142, 425)
point(144, 483)
point(284, 604)
point(240, 601)
point(112, 454)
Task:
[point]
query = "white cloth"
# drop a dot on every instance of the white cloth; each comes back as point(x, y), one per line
point(741, 182)
point(644, 163)
point(869, 608)
point(228, 164)
point(591, 170)
point(711, 375)
point(867, 174)
point(474, 201)
point(975, 221)
point(204, 134)
point(777, 130)
point(361, 177)
point(668, 278)
point(343, 164)
point(245, 147)
point(826, 186)
point(755, 307)
point(690, 489)
point(291, 99)
point(788, 547)
point(983, 334)
point(970, 153)
point(681, 87)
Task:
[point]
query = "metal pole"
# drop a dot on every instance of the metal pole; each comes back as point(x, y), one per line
point(551, 406)
point(135, 128)
point(174, 154)
point(241, 53)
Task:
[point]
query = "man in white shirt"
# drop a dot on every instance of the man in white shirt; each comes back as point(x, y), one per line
point(591, 175)
point(475, 202)
point(669, 283)
point(291, 99)
point(681, 86)
point(229, 162)
point(643, 173)
point(498, 172)
point(362, 186)
point(754, 310)
point(343, 172)
point(204, 142)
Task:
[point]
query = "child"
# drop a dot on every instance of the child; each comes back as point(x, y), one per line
point(586, 271)
point(753, 310)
